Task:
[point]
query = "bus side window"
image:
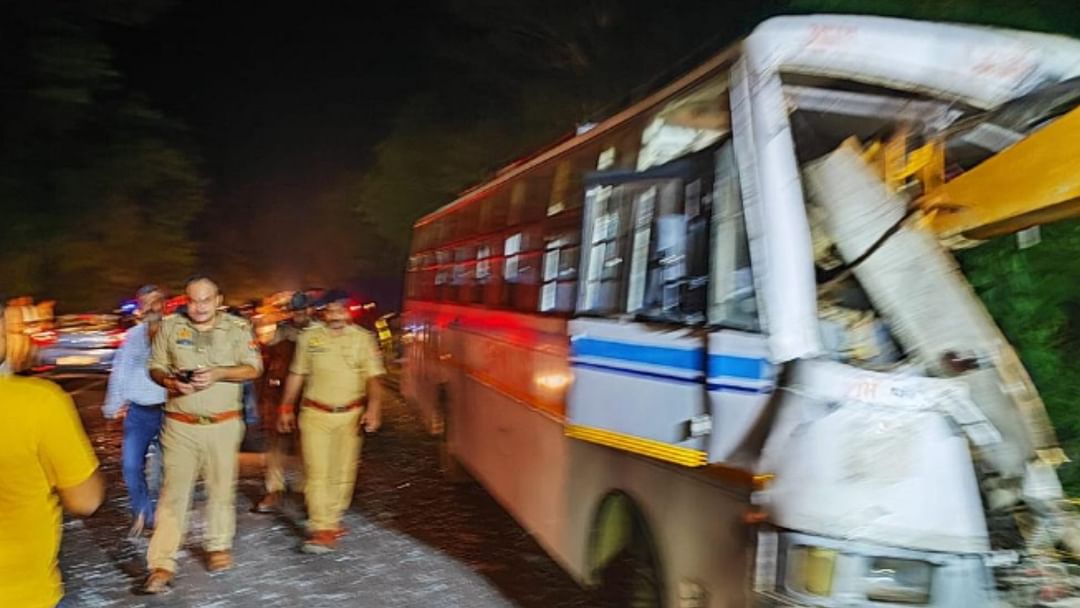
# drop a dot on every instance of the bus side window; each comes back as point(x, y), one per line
point(464, 274)
point(732, 301)
point(426, 287)
point(443, 269)
point(559, 271)
point(668, 255)
point(413, 276)
point(520, 270)
point(605, 230)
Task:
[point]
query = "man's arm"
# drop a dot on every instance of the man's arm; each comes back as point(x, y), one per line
point(171, 383)
point(373, 414)
point(160, 366)
point(232, 373)
point(299, 368)
point(248, 363)
point(84, 499)
point(159, 357)
point(114, 399)
point(66, 455)
point(374, 370)
point(286, 411)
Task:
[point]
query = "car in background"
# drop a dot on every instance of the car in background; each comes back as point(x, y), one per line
point(84, 343)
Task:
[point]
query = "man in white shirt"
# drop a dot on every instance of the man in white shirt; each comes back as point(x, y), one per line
point(133, 396)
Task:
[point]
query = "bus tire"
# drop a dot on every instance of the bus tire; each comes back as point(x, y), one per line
point(451, 468)
point(626, 568)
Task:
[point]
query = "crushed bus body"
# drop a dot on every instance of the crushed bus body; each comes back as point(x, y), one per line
point(714, 351)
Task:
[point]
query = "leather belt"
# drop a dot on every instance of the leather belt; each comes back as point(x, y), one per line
point(211, 419)
point(333, 409)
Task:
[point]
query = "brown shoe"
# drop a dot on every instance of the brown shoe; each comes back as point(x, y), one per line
point(159, 581)
point(218, 561)
point(320, 541)
point(268, 503)
point(340, 532)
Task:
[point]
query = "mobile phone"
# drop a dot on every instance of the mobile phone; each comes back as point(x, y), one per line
point(185, 375)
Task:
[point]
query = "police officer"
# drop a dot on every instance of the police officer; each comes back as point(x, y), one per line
point(201, 358)
point(278, 355)
point(336, 364)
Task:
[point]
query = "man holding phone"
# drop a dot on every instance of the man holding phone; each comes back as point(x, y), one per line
point(202, 358)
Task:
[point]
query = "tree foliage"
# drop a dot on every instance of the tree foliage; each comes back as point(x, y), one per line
point(96, 188)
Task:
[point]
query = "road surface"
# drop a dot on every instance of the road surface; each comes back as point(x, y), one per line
point(415, 539)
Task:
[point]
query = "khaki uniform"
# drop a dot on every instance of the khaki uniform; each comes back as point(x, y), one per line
point(188, 449)
point(282, 446)
point(337, 369)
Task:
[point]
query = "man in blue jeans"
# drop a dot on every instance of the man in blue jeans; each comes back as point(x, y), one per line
point(133, 396)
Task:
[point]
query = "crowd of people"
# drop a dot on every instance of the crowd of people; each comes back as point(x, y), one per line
point(178, 383)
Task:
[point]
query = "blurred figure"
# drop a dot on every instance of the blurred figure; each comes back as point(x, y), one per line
point(249, 397)
point(46, 462)
point(336, 364)
point(138, 400)
point(202, 359)
point(16, 316)
point(281, 454)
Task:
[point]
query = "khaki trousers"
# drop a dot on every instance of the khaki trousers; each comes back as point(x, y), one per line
point(187, 450)
point(331, 447)
point(282, 457)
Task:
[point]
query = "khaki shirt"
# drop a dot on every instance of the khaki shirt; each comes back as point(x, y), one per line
point(337, 367)
point(179, 346)
point(285, 331)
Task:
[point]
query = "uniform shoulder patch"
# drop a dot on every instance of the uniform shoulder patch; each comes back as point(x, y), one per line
point(237, 321)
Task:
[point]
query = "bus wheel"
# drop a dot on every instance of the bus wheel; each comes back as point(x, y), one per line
point(629, 581)
point(626, 567)
point(451, 469)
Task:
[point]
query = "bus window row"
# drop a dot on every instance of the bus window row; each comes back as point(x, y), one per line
point(645, 223)
point(666, 245)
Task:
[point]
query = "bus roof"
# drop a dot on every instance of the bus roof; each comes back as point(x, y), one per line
point(561, 146)
point(1059, 52)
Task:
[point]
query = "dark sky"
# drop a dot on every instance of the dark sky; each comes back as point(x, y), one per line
point(281, 92)
point(281, 100)
point(286, 101)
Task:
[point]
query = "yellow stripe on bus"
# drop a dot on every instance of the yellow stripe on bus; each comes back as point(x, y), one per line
point(646, 447)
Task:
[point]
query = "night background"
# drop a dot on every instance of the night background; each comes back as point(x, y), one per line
point(289, 146)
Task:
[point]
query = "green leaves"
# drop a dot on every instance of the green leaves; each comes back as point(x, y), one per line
point(1034, 296)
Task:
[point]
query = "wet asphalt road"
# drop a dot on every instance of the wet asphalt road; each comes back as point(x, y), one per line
point(415, 539)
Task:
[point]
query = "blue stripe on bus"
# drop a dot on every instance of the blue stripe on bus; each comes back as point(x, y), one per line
point(693, 359)
point(749, 368)
point(712, 386)
point(637, 373)
point(731, 388)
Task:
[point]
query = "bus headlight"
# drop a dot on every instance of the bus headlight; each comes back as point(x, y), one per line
point(810, 570)
point(900, 581)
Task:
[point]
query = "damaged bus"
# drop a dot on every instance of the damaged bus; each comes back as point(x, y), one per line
point(714, 351)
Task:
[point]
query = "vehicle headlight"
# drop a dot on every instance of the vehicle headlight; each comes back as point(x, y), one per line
point(810, 570)
point(900, 581)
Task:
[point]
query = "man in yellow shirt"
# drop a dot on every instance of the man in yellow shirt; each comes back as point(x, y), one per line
point(336, 363)
point(45, 461)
